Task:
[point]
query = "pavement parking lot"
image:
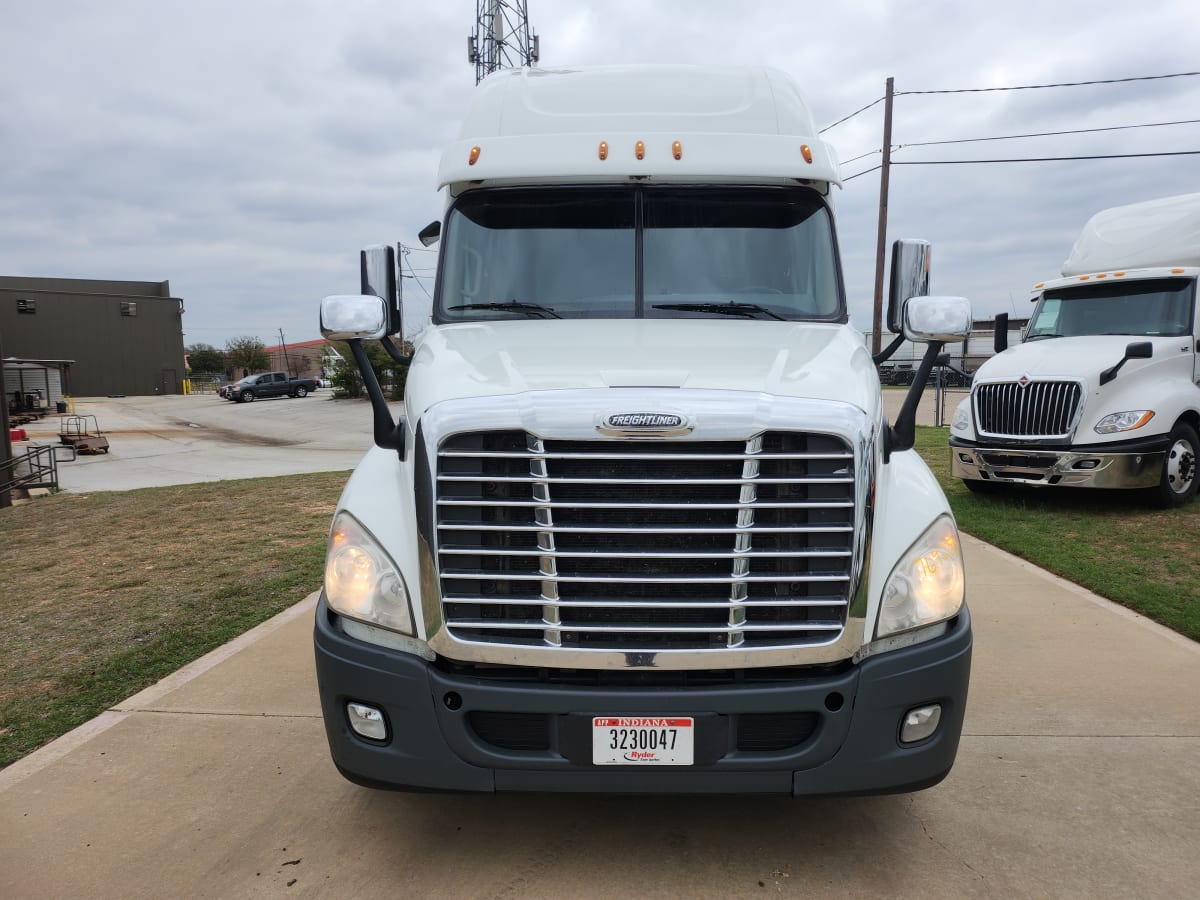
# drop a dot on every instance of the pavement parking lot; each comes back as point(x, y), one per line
point(1076, 777)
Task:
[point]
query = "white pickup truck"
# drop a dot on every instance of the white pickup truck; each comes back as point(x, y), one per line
point(1102, 391)
point(643, 526)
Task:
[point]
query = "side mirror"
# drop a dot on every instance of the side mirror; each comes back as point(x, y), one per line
point(347, 317)
point(910, 278)
point(1000, 334)
point(941, 319)
point(430, 233)
point(377, 274)
point(1135, 350)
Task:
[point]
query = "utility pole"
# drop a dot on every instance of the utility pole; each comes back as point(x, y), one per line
point(501, 38)
point(287, 363)
point(881, 239)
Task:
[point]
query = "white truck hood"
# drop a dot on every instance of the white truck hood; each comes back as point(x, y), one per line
point(1075, 357)
point(479, 359)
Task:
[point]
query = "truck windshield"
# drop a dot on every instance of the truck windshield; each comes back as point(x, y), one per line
point(1141, 308)
point(640, 251)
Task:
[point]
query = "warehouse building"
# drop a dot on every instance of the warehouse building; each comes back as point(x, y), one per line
point(122, 337)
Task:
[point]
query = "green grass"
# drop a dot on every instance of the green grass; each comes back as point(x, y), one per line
point(104, 594)
point(1111, 542)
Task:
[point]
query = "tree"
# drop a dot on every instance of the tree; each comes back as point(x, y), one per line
point(391, 377)
point(204, 359)
point(247, 353)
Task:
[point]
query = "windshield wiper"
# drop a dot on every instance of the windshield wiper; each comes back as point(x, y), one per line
point(1043, 335)
point(529, 309)
point(749, 310)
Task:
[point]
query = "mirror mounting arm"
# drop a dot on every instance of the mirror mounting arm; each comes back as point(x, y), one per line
point(902, 435)
point(394, 352)
point(886, 353)
point(388, 434)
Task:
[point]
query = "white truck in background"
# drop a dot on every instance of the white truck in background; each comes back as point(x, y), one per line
point(1102, 391)
point(643, 526)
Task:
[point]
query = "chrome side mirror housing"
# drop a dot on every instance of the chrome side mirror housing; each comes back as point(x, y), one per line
point(347, 317)
point(909, 278)
point(943, 319)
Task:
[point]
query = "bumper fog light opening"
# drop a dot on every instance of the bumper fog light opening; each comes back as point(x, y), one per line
point(367, 721)
point(920, 723)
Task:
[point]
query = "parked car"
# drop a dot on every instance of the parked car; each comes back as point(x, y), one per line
point(269, 384)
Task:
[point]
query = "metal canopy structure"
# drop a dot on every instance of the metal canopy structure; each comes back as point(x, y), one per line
point(501, 39)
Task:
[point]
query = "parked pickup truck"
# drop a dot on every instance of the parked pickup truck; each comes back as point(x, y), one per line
point(269, 384)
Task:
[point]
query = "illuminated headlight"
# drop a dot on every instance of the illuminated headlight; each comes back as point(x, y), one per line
point(361, 581)
point(1124, 421)
point(927, 584)
point(962, 418)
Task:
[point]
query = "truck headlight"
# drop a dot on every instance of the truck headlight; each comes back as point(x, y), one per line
point(927, 585)
point(1124, 421)
point(962, 417)
point(361, 581)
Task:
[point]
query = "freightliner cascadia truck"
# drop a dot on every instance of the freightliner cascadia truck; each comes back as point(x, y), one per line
point(643, 525)
point(1102, 391)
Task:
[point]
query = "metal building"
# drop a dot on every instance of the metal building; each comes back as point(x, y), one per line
point(125, 337)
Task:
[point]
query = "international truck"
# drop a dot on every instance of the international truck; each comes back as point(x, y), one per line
point(1102, 390)
point(642, 525)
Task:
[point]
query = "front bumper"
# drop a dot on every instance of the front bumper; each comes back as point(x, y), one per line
point(1111, 466)
point(434, 742)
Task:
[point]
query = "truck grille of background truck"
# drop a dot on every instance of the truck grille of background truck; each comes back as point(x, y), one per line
point(642, 546)
point(1041, 409)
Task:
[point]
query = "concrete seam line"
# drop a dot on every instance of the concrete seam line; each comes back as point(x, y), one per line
point(77, 737)
point(1094, 598)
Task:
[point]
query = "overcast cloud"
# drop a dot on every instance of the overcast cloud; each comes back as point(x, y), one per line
point(246, 150)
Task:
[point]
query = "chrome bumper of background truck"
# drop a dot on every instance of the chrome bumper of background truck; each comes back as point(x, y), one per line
point(1060, 468)
point(434, 742)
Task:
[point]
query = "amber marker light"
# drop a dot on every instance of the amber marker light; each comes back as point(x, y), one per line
point(1038, 287)
point(806, 152)
point(1118, 274)
point(604, 150)
point(1101, 276)
point(639, 149)
point(677, 150)
point(473, 157)
point(1085, 277)
point(1177, 271)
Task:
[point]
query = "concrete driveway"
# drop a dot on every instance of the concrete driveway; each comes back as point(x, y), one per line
point(1077, 776)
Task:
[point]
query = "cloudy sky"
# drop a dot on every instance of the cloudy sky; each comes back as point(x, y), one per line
point(246, 150)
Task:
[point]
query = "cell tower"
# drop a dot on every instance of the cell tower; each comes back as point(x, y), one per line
point(501, 38)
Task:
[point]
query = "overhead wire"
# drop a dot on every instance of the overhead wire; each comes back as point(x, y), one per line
point(1010, 137)
point(1034, 87)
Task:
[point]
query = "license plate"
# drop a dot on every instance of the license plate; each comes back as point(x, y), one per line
point(642, 741)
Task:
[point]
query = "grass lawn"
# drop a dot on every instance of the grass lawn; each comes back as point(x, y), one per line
point(103, 594)
point(1111, 542)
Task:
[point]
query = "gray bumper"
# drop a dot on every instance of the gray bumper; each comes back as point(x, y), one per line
point(1061, 468)
point(854, 746)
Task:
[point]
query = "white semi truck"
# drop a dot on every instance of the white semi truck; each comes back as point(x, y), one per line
point(643, 526)
point(1102, 391)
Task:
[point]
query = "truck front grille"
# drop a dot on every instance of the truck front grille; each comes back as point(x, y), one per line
point(641, 546)
point(1037, 409)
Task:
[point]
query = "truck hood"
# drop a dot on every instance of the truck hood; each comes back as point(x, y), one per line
point(816, 361)
point(1076, 357)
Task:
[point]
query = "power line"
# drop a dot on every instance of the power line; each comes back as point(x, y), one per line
point(404, 256)
point(851, 116)
point(1033, 87)
point(1009, 137)
point(863, 172)
point(975, 162)
point(845, 162)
